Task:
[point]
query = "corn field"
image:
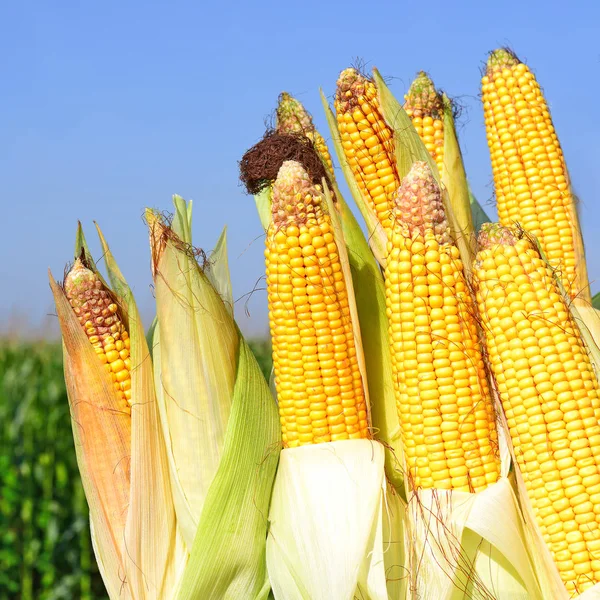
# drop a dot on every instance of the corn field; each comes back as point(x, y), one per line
point(45, 547)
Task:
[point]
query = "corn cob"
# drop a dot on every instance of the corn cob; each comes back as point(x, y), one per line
point(444, 404)
point(367, 141)
point(550, 396)
point(319, 385)
point(530, 176)
point(99, 316)
point(425, 106)
point(292, 117)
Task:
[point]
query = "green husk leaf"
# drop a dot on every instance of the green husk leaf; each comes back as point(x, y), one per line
point(217, 270)
point(596, 301)
point(228, 555)
point(263, 205)
point(454, 179)
point(369, 293)
point(410, 148)
point(478, 214)
point(375, 232)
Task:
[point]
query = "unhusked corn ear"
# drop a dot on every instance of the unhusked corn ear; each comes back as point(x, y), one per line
point(367, 141)
point(99, 316)
point(530, 176)
point(444, 404)
point(550, 396)
point(425, 107)
point(292, 117)
point(319, 385)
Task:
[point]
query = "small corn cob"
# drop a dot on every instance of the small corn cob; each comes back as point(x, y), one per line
point(530, 176)
point(99, 315)
point(550, 397)
point(319, 386)
point(444, 404)
point(425, 106)
point(292, 117)
point(367, 141)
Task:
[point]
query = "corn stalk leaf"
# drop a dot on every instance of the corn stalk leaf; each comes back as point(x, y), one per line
point(375, 233)
point(155, 553)
point(228, 554)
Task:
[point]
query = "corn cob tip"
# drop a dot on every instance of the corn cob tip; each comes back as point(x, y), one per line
point(351, 85)
point(79, 278)
point(422, 99)
point(292, 117)
point(501, 58)
point(419, 206)
point(494, 234)
point(295, 198)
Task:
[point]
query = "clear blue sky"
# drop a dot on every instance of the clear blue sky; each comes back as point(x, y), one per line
point(108, 107)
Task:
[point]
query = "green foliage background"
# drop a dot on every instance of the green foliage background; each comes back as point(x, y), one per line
point(45, 547)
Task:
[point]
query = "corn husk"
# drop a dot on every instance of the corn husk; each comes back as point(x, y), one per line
point(220, 422)
point(327, 537)
point(121, 458)
point(477, 212)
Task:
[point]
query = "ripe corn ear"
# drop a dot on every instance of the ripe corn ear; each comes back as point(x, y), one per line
point(425, 107)
point(530, 176)
point(292, 117)
point(99, 316)
point(367, 141)
point(319, 385)
point(444, 404)
point(550, 397)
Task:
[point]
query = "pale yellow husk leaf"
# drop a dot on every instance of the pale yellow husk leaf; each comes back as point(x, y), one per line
point(198, 349)
point(331, 517)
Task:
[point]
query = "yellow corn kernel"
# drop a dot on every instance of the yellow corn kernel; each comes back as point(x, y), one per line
point(554, 430)
point(319, 386)
point(530, 176)
point(367, 141)
point(99, 316)
point(292, 117)
point(444, 403)
point(425, 106)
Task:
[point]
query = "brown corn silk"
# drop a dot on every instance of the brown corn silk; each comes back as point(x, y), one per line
point(293, 118)
point(550, 396)
point(443, 399)
point(425, 107)
point(319, 386)
point(530, 175)
point(367, 141)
